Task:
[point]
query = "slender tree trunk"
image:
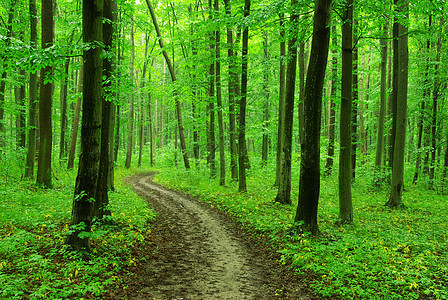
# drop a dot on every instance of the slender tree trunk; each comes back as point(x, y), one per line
point(222, 162)
point(173, 78)
point(332, 119)
point(232, 92)
point(89, 160)
point(345, 168)
point(211, 101)
point(394, 95)
point(265, 143)
point(426, 93)
point(3, 77)
point(32, 112)
point(74, 138)
point(45, 101)
point(242, 154)
point(131, 103)
point(401, 110)
point(281, 100)
point(63, 99)
point(383, 103)
point(301, 116)
point(284, 188)
point(309, 186)
point(435, 97)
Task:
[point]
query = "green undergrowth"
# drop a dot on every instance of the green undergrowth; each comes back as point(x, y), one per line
point(386, 254)
point(34, 262)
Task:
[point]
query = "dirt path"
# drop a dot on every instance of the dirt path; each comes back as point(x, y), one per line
point(199, 253)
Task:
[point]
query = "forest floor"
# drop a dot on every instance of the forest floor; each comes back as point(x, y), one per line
point(198, 252)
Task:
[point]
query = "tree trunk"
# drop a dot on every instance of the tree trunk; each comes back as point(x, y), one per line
point(233, 78)
point(21, 114)
point(284, 188)
point(401, 111)
point(33, 96)
point(309, 186)
point(332, 119)
point(63, 99)
point(345, 168)
point(3, 78)
point(242, 154)
point(426, 93)
point(281, 99)
point(222, 162)
point(71, 156)
point(435, 96)
point(89, 160)
point(45, 101)
point(173, 78)
point(265, 142)
point(101, 208)
point(131, 103)
point(211, 102)
point(355, 100)
point(383, 91)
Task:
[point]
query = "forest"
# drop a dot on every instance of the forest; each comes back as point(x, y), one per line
point(319, 127)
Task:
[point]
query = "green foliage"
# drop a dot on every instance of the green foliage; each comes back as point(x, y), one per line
point(34, 262)
point(387, 254)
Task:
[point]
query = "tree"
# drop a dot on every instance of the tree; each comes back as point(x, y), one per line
point(242, 161)
point(222, 161)
point(395, 199)
point(89, 159)
point(345, 167)
point(382, 116)
point(281, 99)
point(265, 145)
point(32, 115)
point(3, 77)
point(232, 92)
point(284, 188)
point(173, 78)
point(331, 126)
point(309, 186)
point(76, 117)
point(131, 102)
point(46, 100)
point(106, 165)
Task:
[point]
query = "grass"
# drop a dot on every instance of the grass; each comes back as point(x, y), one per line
point(387, 254)
point(34, 262)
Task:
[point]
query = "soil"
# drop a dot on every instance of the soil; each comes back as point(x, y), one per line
point(199, 252)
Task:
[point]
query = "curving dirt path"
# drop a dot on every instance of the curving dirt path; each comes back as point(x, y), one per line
point(200, 253)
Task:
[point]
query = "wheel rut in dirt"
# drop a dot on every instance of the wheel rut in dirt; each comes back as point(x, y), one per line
point(198, 253)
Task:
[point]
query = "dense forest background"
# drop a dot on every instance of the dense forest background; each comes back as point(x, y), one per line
point(215, 95)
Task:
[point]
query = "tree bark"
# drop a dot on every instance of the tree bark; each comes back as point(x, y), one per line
point(401, 110)
point(265, 142)
point(345, 168)
point(131, 103)
point(71, 156)
point(89, 160)
point(281, 99)
point(211, 145)
point(332, 119)
point(242, 154)
point(355, 99)
point(3, 78)
point(173, 78)
point(63, 100)
point(46, 101)
point(382, 116)
point(33, 98)
point(284, 188)
point(222, 161)
point(435, 96)
point(309, 186)
point(101, 207)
